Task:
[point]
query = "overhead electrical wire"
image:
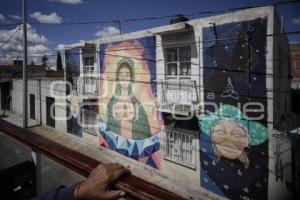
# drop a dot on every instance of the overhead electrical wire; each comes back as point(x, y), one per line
point(202, 12)
point(154, 46)
point(9, 38)
point(279, 3)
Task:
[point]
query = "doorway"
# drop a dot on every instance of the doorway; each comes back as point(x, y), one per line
point(32, 106)
point(5, 96)
point(50, 111)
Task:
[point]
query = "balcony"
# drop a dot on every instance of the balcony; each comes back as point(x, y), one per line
point(177, 96)
point(88, 87)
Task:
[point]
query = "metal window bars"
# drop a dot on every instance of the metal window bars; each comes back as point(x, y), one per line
point(89, 122)
point(179, 147)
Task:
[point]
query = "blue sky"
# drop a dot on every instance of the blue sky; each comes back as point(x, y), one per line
point(61, 11)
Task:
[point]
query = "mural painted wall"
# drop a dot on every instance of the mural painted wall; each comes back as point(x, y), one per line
point(234, 140)
point(73, 100)
point(128, 121)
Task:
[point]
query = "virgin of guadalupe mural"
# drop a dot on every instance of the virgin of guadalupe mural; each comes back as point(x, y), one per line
point(128, 121)
point(234, 144)
point(126, 115)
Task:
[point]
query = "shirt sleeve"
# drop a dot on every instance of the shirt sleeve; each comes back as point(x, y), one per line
point(60, 193)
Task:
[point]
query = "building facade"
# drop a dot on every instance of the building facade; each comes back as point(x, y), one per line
point(46, 101)
point(196, 103)
point(295, 56)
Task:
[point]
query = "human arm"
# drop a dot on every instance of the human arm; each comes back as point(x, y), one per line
point(96, 187)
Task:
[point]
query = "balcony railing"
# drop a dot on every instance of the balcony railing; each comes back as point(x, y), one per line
point(177, 96)
point(180, 147)
point(135, 187)
point(88, 86)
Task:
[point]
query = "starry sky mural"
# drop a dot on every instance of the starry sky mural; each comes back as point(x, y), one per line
point(233, 148)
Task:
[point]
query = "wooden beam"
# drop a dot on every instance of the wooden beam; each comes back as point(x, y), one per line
point(135, 187)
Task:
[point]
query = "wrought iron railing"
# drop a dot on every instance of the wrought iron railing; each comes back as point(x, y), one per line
point(88, 86)
point(178, 95)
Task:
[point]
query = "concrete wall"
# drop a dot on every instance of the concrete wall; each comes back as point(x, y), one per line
point(17, 100)
point(281, 74)
point(0, 96)
point(280, 94)
point(295, 56)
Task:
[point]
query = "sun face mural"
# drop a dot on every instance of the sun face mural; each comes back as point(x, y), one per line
point(230, 140)
point(128, 120)
point(234, 137)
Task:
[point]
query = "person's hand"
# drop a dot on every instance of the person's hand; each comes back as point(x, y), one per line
point(97, 186)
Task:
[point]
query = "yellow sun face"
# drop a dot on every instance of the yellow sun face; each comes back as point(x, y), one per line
point(229, 139)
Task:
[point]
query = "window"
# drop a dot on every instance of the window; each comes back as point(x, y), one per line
point(178, 62)
point(50, 111)
point(89, 122)
point(88, 61)
point(179, 147)
point(88, 65)
point(87, 70)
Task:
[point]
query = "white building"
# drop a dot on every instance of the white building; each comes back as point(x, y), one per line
point(46, 98)
point(133, 94)
point(237, 61)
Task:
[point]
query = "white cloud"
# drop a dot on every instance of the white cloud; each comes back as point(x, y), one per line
point(16, 17)
point(11, 43)
point(296, 20)
point(10, 40)
point(2, 17)
point(52, 18)
point(38, 48)
point(32, 35)
point(106, 31)
point(60, 47)
point(37, 51)
point(69, 1)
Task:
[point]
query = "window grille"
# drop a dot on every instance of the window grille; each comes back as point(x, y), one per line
point(179, 147)
point(89, 122)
